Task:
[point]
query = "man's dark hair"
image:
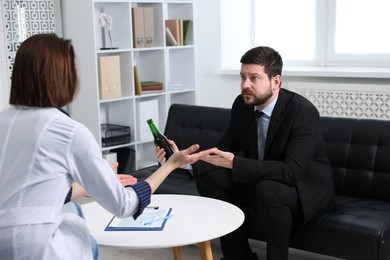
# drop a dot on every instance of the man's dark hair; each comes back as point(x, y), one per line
point(44, 72)
point(264, 56)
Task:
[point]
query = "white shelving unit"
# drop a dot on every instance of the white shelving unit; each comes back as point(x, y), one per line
point(158, 63)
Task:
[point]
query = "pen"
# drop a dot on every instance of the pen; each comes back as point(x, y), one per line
point(158, 219)
point(152, 207)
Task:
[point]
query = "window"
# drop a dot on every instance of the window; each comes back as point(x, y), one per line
point(359, 31)
point(309, 32)
point(292, 33)
point(236, 31)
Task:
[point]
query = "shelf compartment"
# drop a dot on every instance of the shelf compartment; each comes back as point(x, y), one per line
point(126, 78)
point(150, 64)
point(158, 25)
point(181, 72)
point(120, 112)
point(146, 108)
point(182, 11)
point(121, 29)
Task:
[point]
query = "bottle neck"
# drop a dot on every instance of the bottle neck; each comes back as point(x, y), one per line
point(153, 128)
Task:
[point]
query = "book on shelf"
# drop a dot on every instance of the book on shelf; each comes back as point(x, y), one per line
point(174, 27)
point(151, 85)
point(137, 81)
point(170, 40)
point(147, 89)
point(187, 30)
point(178, 32)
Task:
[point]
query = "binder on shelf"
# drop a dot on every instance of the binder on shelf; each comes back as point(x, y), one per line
point(187, 30)
point(137, 82)
point(174, 27)
point(138, 27)
point(170, 40)
point(148, 27)
point(109, 77)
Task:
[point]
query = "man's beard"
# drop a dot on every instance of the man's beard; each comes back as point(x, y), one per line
point(256, 101)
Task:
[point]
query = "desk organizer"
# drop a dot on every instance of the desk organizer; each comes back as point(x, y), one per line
point(114, 134)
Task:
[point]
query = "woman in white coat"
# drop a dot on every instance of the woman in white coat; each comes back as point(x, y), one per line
point(43, 151)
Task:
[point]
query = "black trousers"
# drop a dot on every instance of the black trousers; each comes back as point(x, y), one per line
point(277, 206)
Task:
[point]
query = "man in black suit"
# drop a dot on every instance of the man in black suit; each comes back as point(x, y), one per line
point(274, 162)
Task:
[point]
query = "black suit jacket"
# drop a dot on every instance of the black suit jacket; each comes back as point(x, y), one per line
point(294, 150)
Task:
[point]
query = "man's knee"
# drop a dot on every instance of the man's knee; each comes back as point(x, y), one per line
point(269, 192)
point(218, 178)
point(217, 184)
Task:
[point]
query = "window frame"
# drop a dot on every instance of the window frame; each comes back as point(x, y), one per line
point(333, 59)
point(325, 55)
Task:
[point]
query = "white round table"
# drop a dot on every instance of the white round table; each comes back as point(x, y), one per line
point(196, 220)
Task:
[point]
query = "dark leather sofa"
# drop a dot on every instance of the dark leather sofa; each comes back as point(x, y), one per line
point(359, 151)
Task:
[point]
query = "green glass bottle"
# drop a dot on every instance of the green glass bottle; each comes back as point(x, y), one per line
point(159, 139)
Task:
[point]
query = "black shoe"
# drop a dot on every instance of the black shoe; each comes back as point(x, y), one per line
point(254, 257)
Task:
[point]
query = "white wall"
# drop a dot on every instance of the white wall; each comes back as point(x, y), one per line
point(212, 89)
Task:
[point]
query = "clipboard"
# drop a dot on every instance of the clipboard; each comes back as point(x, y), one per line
point(156, 217)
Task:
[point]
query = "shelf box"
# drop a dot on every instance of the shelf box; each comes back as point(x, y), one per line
point(109, 77)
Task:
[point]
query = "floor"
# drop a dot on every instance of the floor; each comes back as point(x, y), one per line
point(191, 252)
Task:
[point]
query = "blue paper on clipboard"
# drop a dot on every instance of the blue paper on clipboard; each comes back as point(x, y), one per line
point(151, 219)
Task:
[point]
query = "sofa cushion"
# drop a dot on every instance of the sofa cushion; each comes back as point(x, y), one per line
point(177, 182)
point(187, 125)
point(355, 229)
point(358, 150)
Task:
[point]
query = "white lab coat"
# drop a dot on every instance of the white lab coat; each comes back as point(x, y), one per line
point(42, 151)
